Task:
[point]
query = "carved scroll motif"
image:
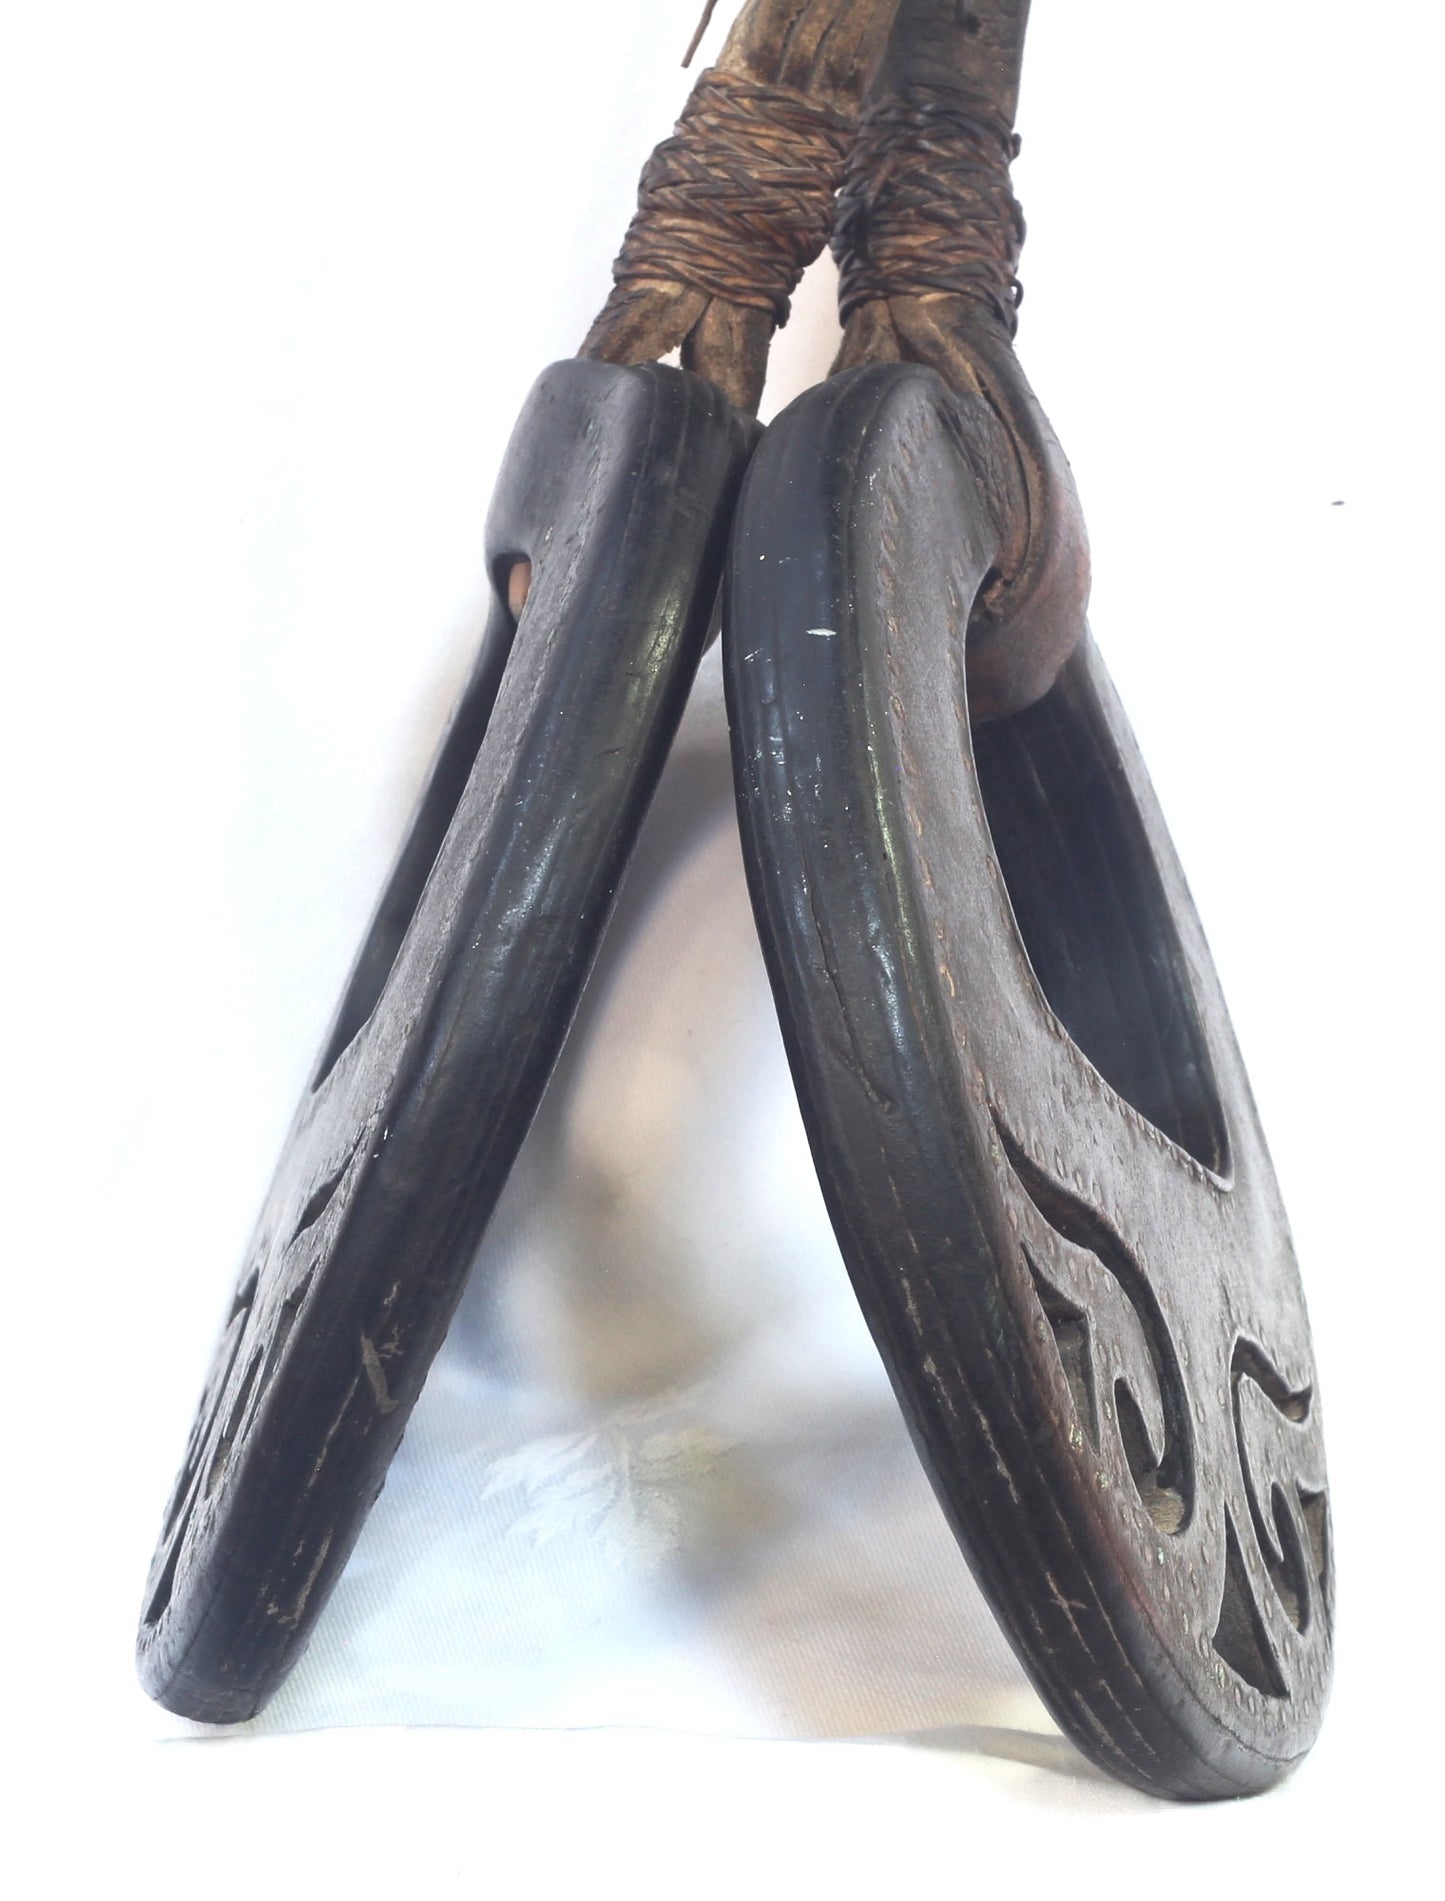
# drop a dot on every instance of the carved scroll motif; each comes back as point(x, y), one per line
point(1127, 1379)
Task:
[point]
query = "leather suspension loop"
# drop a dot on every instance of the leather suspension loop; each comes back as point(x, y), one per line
point(927, 239)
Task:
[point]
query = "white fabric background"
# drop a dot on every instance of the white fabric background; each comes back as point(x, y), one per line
point(277, 279)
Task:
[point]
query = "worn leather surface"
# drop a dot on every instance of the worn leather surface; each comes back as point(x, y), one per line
point(1027, 1109)
point(618, 490)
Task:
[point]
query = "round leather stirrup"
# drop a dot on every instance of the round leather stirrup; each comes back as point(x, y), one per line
point(1027, 1108)
point(609, 519)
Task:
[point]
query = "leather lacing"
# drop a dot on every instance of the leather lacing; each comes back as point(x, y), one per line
point(738, 201)
point(926, 205)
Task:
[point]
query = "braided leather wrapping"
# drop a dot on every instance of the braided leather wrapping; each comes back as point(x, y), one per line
point(926, 205)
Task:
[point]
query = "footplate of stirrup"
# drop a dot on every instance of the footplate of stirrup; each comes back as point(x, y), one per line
point(1027, 1109)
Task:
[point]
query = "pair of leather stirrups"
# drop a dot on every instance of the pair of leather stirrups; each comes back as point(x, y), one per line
point(1025, 1103)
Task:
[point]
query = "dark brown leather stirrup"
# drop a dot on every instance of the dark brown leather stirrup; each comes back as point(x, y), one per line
point(1025, 1103)
point(605, 544)
point(615, 495)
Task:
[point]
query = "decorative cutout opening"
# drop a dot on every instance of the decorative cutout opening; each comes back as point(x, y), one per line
point(264, 1360)
point(1166, 1488)
point(1070, 1325)
point(443, 795)
point(235, 1418)
point(182, 1493)
point(182, 1489)
point(1287, 1572)
point(245, 1296)
point(1091, 910)
point(1240, 1637)
point(165, 1584)
point(1250, 1361)
point(1315, 1510)
point(1163, 1501)
point(321, 1198)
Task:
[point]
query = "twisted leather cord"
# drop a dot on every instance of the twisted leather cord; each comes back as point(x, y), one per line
point(926, 205)
point(738, 201)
